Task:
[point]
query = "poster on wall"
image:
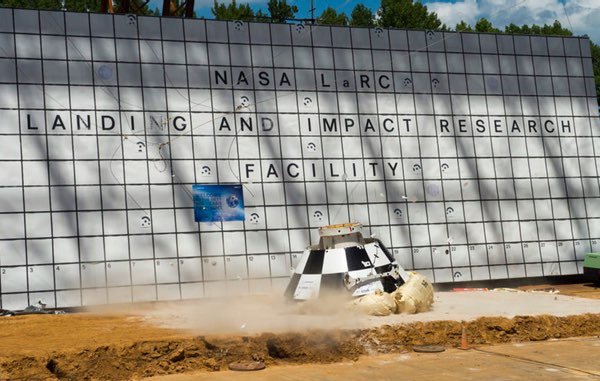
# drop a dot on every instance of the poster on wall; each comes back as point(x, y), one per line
point(215, 203)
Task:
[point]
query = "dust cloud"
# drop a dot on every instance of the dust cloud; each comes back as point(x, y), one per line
point(244, 314)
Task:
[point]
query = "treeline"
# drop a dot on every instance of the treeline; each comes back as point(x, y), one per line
point(139, 7)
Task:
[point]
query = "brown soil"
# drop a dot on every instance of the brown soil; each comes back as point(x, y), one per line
point(580, 290)
point(88, 347)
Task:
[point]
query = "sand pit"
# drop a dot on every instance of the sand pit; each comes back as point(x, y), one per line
point(129, 342)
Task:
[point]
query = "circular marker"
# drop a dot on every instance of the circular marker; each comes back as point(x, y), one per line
point(429, 348)
point(493, 83)
point(433, 190)
point(105, 72)
point(246, 366)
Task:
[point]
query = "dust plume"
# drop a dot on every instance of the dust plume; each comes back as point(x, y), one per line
point(245, 314)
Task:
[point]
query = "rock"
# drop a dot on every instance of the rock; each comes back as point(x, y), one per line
point(178, 356)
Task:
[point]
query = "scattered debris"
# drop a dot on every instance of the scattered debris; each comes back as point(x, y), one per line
point(32, 310)
point(245, 366)
point(429, 348)
point(545, 290)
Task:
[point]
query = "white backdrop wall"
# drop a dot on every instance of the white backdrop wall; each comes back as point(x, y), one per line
point(472, 156)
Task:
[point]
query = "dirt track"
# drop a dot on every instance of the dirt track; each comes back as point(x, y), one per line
point(549, 360)
point(117, 348)
point(125, 346)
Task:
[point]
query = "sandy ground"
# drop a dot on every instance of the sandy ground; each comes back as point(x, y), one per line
point(547, 360)
point(133, 341)
point(581, 290)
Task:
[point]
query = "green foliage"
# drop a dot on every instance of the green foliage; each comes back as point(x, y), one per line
point(331, 17)
point(232, 11)
point(407, 14)
point(463, 27)
point(485, 26)
point(596, 65)
point(136, 6)
point(512, 28)
point(32, 4)
point(362, 16)
point(281, 11)
point(179, 8)
point(555, 29)
point(261, 16)
point(82, 5)
point(278, 11)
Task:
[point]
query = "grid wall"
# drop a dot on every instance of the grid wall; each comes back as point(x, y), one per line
point(471, 155)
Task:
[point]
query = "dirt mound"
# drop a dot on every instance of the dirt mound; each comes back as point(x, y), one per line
point(487, 330)
point(143, 358)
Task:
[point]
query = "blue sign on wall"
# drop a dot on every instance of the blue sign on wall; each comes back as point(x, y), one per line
point(213, 203)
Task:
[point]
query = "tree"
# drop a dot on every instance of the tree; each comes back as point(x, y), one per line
point(135, 6)
point(331, 17)
point(138, 7)
point(596, 66)
point(32, 4)
point(280, 11)
point(177, 8)
point(463, 27)
point(512, 29)
point(407, 14)
point(232, 11)
point(261, 16)
point(485, 26)
point(555, 29)
point(362, 16)
point(82, 5)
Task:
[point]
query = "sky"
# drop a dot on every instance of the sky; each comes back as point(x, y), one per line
point(577, 15)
